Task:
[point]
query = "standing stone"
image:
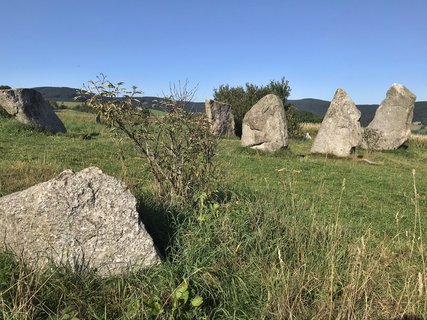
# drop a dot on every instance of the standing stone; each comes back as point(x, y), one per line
point(220, 117)
point(391, 126)
point(85, 220)
point(340, 132)
point(29, 107)
point(265, 126)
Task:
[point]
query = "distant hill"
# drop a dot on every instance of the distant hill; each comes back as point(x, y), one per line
point(153, 103)
point(315, 106)
point(65, 94)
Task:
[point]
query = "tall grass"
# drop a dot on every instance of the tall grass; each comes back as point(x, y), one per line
point(250, 256)
point(418, 141)
point(311, 128)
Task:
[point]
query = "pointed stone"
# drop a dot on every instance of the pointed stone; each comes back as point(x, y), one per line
point(29, 107)
point(391, 126)
point(340, 132)
point(220, 117)
point(265, 126)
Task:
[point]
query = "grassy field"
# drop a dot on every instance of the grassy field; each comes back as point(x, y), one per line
point(292, 236)
point(79, 106)
point(69, 104)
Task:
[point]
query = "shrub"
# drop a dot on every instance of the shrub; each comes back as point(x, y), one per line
point(242, 99)
point(294, 127)
point(422, 130)
point(178, 146)
point(55, 105)
point(3, 87)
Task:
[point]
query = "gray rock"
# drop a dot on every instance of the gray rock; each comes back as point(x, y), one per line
point(391, 126)
point(29, 107)
point(220, 117)
point(307, 136)
point(84, 220)
point(340, 132)
point(265, 126)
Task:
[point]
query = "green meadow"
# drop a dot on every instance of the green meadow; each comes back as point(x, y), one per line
point(289, 235)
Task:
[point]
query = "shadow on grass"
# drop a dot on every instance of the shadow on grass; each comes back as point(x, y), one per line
point(163, 222)
point(160, 222)
point(284, 152)
point(410, 317)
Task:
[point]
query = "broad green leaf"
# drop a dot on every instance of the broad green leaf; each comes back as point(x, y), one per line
point(181, 293)
point(197, 301)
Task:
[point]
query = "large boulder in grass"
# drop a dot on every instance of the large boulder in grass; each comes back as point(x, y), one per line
point(84, 220)
point(340, 132)
point(265, 126)
point(391, 126)
point(29, 107)
point(220, 117)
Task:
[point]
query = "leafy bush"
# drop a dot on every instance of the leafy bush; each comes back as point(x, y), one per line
point(294, 127)
point(178, 146)
point(242, 99)
point(422, 130)
point(56, 106)
point(3, 87)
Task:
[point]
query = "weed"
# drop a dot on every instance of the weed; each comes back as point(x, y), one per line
point(178, 147)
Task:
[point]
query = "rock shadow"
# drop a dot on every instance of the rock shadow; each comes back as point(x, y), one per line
point(160, 222)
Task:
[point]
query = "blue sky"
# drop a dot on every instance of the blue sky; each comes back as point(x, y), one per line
point(361, 46)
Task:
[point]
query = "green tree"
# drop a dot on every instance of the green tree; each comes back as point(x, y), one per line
point(4, 87)
point(242, 99)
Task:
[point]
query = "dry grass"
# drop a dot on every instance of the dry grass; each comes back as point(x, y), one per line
point(311, 128)
point(418, 141)
point(361, 278)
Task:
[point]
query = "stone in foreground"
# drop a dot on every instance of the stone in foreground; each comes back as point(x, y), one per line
point(265, 126)
point(391, 126)
point(340, 132)
point(220, 117)
point(29, 107)
point(84, 220)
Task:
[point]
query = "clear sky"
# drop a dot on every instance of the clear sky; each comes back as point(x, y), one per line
point(362, 46)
